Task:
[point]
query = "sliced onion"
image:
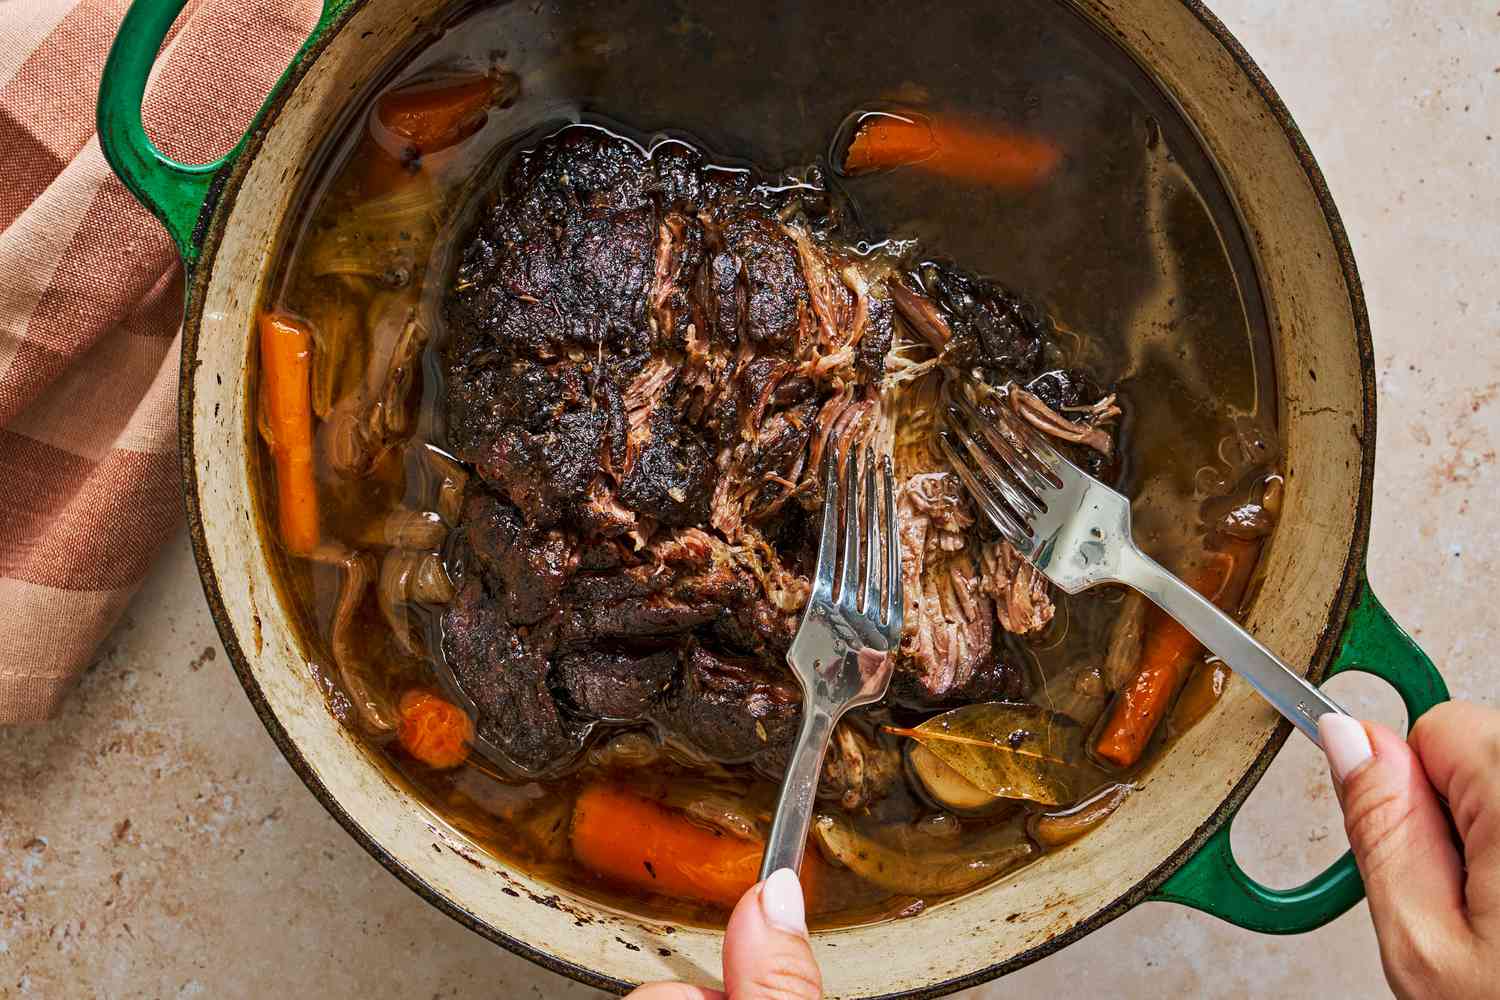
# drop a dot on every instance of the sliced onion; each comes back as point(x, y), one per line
point(947, 787)
point(1054, 829)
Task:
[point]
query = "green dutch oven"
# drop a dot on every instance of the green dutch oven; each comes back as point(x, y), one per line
point(1171, 841)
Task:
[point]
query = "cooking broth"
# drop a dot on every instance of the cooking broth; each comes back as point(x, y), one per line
point(1131, 247)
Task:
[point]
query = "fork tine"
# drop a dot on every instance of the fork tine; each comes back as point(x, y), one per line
point(1001, 475)
point(828, 552)
point(849, 588)
point(895, 603)
point(869, 604)
point(1031, 440)
point(1012, 449)
point(1014, 532)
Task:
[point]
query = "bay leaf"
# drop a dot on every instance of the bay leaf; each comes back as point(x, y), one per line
point(1011, 750)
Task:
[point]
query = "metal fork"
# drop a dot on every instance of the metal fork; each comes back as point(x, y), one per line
point(841, 653)
point(1076, 531)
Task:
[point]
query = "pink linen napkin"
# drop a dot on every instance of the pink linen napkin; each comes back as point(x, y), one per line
point(90, 310)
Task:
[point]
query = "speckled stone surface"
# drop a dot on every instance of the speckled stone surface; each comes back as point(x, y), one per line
point(153, 843)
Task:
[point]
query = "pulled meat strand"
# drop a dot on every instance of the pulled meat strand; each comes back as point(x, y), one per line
point(1018, 589)
point(828, 417)
point(921, 313)
point(1047, 420)
point(640, 399)
point(857, 284)
point(819, 289)
point(948, 627)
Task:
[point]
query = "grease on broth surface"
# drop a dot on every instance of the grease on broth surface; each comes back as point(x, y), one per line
point(1130, 246)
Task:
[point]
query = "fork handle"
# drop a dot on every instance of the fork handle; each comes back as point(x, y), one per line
point(1287, 691)
point(799, 789)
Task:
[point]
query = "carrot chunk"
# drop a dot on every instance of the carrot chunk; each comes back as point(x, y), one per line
point(286, 400)
point(952, 148)
point(432, 117)
point(1167, 652)
point(415, 122)
point(644, 845)
point(433, 730)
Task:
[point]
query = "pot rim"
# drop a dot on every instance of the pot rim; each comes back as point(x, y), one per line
point(209, 233)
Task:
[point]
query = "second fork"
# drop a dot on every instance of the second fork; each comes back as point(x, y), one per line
point(1076, 530)
point(842, 653)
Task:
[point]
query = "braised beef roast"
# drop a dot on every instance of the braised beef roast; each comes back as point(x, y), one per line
point(647, 358)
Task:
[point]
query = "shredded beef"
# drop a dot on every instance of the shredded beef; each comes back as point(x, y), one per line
point(646, 359)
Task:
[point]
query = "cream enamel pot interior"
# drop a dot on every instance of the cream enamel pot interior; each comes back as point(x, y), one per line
point(1171, 839)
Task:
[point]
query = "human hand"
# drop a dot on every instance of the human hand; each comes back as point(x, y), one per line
point(766, 952)
point(1436, 911)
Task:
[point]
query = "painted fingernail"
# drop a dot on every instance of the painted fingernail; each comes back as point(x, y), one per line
point(1345, 742)
point(781, 901)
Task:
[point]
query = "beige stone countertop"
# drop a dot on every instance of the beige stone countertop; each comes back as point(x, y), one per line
point(153, 843)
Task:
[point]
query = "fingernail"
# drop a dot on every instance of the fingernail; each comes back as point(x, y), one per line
point(781, 901)
point(1345, 742)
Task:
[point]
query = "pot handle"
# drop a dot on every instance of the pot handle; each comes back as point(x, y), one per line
point(176, 193)
point(1212, 881)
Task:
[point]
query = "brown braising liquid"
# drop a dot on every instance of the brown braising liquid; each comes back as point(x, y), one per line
point(1132, 247)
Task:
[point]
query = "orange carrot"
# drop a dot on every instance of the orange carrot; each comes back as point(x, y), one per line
point(643, 844)
point(639, 843)
point(1167, 652)
point(952, 148)
point(433, 730)
point(286, 396)
point(435, 116)
point(415, 122)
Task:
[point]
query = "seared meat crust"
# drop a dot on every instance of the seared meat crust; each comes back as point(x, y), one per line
point(647, 357)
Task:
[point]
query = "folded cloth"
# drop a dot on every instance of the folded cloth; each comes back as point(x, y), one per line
point(90, 313)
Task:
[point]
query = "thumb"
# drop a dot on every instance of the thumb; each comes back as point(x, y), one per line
point(1401, 840)
point(766, 952)
point(1459, 746)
